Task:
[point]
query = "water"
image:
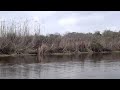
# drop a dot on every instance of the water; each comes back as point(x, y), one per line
point(85, 66)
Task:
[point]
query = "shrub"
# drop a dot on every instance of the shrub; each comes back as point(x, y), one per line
point(96, 47)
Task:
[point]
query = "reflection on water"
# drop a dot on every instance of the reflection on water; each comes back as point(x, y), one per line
point(61, 67)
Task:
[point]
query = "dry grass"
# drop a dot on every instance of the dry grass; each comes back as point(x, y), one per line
point(16, 39)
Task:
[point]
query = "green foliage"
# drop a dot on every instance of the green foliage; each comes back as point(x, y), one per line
point(96, 47)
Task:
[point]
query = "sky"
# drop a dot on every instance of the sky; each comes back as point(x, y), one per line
point(68, 21)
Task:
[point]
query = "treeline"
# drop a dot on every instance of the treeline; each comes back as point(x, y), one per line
point(80, 42)
point(17, 39)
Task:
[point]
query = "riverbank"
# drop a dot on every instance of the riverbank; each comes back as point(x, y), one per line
point(62, 54)
point(13, 55)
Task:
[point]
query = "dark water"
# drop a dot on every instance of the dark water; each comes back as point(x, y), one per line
point(85, 66)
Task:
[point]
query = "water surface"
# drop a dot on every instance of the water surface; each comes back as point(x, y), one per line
point(85, 66)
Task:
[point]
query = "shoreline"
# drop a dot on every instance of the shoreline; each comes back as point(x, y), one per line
point(13, 55)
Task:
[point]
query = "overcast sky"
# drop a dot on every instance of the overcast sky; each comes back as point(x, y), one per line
point(69, 21)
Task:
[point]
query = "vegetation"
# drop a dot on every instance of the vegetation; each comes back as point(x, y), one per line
point(17, 40)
